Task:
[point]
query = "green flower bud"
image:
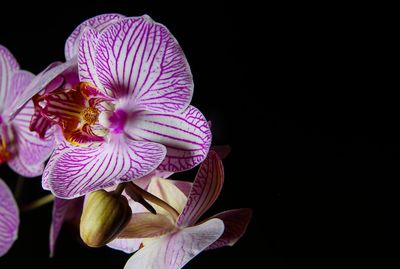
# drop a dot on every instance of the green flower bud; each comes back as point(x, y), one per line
point(104, 216)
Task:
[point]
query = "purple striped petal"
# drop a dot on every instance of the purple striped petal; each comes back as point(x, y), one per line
point(187, 136)
point(86, 58)
point(140, 58)
point(176, 250)
point(32, 150)
point(8, 65)
point(19, 167)
point(98, 23)
point(236, 222)
point(206, 189)
point(80, 170)
point(60, 208)
point(19, 82)
point(62, 147)
point(9, 218)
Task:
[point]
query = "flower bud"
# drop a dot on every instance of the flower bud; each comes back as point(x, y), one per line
point(104, 216)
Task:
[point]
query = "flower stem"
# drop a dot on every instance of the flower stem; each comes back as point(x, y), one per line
point(154, 199)
point(120, 189)
point(18, 188)
point(38, 203)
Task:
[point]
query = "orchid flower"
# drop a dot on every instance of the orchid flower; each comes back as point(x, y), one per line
point(23, 150)
point(9, 218)
point(129, 114)
point(171, 240)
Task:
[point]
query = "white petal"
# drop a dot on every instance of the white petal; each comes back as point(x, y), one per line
point(176, 250)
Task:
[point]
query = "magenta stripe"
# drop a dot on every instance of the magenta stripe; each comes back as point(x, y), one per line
point(172, 137)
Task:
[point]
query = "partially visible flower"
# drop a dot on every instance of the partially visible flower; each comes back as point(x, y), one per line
point(9, 218)
point(129, 114)
point(23, 150)
point(170, 241)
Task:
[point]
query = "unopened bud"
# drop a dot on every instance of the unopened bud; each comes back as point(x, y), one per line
point(104, 216)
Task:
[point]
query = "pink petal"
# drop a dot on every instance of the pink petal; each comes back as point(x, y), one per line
point(236, 222)
point(98, 23)
point(125, 245)
point(19, 167)
point(80, 170)
point(86, 58)
point(60, 208)
point(140, 58)
point(32, 150)
point(187, 136)
point(175, 250)
point(62, 147)
point(19, 82)
point(8, 65)
point(9, 218)
point(206, 189)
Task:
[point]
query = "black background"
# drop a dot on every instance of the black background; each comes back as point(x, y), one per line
point(306, 95)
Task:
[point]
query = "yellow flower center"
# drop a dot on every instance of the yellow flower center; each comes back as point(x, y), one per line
point(4, 154)
point(90, 115)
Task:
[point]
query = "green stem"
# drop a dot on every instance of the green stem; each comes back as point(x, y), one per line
point(38, 203)
point(120, 189)
point(19, 187)
point(154, 199)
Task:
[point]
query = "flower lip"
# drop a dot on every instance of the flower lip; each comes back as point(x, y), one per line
point(75, 110)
